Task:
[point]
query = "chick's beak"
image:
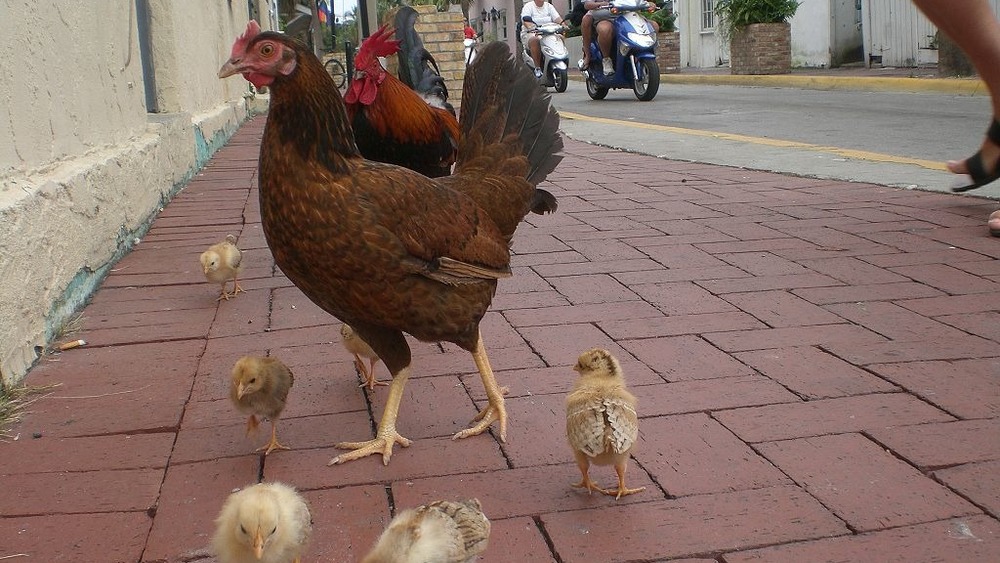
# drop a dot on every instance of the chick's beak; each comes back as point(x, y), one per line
point(231, 67)
point(240, 390)
point(258, 545)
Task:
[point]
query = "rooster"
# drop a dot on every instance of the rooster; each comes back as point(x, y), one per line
point(383, 248)
point(394, 123)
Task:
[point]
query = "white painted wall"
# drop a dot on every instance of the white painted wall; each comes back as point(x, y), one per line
point(811, 34)
point(83, 166)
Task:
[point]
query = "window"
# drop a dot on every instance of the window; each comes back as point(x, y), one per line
point(707, 15)
point(503, 22)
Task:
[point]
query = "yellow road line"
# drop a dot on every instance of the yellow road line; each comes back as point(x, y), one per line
point(846, 153)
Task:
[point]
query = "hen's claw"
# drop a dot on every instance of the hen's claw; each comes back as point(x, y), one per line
point(485, 418)
point(382, 443)
point(591, 486)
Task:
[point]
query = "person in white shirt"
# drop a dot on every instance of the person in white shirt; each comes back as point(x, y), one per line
point(534, 14)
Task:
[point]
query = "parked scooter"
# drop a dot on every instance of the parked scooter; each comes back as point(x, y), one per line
point(555, 56)
point(633, 51)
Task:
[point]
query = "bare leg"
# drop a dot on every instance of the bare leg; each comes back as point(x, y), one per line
point(622, 489)
point(605, 35)
point(534, 45)
point(973, 27)
point(586, 34)
point(495, 411)
point(387, 435)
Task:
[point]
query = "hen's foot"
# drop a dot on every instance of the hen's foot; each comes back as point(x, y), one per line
point(382, 444)
point(371, 383)
point(492, 413)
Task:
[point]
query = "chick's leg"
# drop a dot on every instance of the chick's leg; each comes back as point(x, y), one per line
point(583, 462)
point(622, 490)
point(387, 436)
point(252, 424)
point(493, 412)
point(273, 444)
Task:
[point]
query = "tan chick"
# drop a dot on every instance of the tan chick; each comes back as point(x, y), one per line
point(440, 532)
point(223, 262)
point(601, 421)
point(361, 349)
point(265, 523)
point(259, 387)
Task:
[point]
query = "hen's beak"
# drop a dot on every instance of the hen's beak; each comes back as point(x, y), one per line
point(240, 390)
point(231, 67)
point(258, 545)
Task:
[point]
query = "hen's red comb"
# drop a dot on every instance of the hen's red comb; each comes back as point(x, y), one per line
point(380, 43)
point(240, 46)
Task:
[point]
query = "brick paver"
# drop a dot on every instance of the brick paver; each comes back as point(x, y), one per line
point(816, 362)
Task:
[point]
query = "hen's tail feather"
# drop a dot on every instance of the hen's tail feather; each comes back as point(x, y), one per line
point(502, 97)
point(417, 67)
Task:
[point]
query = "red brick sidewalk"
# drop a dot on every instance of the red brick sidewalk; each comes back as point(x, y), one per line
point(817, 365)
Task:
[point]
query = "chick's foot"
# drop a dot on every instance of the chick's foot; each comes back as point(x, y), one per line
point(591, 486)
point(382, 444)
point(272, 445)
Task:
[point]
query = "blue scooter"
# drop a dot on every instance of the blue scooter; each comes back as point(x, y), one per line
point(633, 51)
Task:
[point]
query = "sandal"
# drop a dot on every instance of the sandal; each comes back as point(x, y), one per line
point(977, 171)
point(994, 223)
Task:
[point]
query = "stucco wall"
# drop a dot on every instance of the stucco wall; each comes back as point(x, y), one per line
point(83, 166)
point(811, 34)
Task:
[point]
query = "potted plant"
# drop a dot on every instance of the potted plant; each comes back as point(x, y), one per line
point(668, 42)
point(759, 36)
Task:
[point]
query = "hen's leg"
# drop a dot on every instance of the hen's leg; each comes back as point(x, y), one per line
point(273, 444)
point(495, 411)
point(387, 435)
point(585, 483)
point(622, 490)
point(224, 294)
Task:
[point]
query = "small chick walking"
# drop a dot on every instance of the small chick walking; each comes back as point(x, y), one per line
point(265, 523)
point(259, 387)
point(361, 349)
point(601, 421)
point(440, 532)
point(223, 262)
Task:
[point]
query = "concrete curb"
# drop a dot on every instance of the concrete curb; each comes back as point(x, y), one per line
point(958, 86)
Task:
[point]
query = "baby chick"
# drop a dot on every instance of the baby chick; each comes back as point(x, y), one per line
point(265, 523)
point(259, 387)
point(440, 532)
point(361, 349)
point(223, 262)
point(601, 421)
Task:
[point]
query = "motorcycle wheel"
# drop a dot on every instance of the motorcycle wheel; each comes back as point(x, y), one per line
point(645, 88)
point(560, 78)
point(596, 92)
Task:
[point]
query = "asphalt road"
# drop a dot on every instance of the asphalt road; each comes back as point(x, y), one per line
point(891, 138)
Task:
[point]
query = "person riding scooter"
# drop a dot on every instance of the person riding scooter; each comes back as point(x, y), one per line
point(534, 14)
point(599, 14)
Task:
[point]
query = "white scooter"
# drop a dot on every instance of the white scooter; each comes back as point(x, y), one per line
point(555, 56)
point(471, 50)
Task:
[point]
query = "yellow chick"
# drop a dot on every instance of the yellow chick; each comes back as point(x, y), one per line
point(259, 387)
point(223, 262)
point(440, 532)
point(601, 421)
point(361, 349)
point(265, 523)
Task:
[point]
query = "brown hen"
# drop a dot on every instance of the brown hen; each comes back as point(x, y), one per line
point(440, 532)
point(383, 248)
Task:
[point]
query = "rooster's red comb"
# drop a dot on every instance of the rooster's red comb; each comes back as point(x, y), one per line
point(240, 46)
point(380, 43)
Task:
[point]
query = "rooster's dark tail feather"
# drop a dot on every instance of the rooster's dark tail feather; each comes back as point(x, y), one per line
point(417, 68)
point(502, 97)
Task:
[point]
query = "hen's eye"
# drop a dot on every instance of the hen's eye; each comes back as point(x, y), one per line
point(242, 529)
point(253, 380)
point(266, 49)
point(273, 530)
